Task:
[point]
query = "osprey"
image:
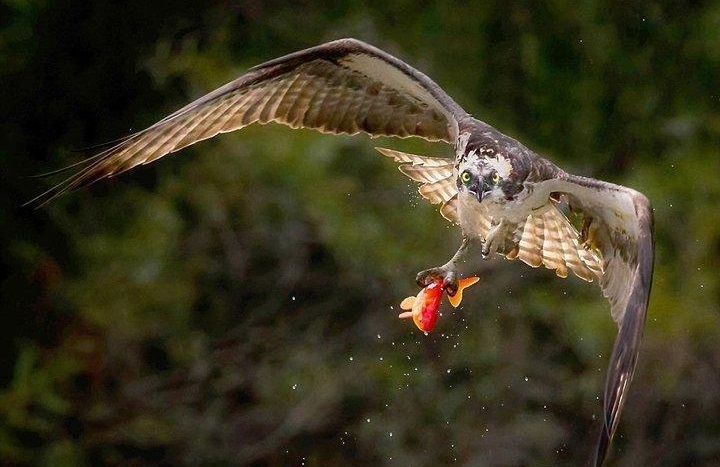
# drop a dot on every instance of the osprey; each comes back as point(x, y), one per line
point(503, 196)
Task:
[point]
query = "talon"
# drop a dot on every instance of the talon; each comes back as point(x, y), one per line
point(428, 276)
point(450, 283)
point(485, 251)
point(447, 275)
point(423, 308)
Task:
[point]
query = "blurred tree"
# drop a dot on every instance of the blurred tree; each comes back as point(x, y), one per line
point(234, 303)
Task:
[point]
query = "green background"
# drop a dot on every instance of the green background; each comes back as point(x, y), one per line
point(235, 304)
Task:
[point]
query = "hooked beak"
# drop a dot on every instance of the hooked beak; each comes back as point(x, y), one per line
point(479, 189)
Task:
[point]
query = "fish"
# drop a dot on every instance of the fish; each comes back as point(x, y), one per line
point(424, 307)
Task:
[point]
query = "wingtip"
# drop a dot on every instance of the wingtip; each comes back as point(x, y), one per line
point(602, 447)
point(43, 198)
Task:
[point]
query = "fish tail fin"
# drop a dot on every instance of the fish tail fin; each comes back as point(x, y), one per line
point(463, 284)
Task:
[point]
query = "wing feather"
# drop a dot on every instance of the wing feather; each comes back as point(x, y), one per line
point(552, 248)
point(583, 263)
point(425, 174)
point(438, 192)
point(449, 210)
point(415, 159)
point(345, 86)
point(531, 240)
point(547, 237)
point(620, 228)
point(437, 175)
point(617, 247)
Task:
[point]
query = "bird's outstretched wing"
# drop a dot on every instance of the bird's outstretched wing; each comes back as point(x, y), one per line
point(616, 246)
point(437, 178)
point(618, 223)
point(548, 238)
point(344, 86)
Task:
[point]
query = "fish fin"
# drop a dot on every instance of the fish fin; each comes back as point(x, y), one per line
point(463, 284)
point(408, 303)
point(405, 315)
point(456, 299)
point(466, 282)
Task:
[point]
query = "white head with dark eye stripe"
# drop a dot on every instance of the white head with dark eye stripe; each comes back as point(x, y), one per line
point(486, 178)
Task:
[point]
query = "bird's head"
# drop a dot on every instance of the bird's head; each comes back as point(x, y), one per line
point(486, 177)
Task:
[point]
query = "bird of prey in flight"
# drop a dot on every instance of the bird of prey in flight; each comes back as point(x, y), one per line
point(503, 196)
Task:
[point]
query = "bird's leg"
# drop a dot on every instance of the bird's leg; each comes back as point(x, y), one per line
point(447, 272)
point(495, 238)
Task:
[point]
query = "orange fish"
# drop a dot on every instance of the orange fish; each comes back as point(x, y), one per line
point(423, 308)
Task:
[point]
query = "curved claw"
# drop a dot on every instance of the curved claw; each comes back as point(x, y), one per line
point(427, 277)
point(485, 251)
point(450, 283)
point(490, 246)
point(448, 276)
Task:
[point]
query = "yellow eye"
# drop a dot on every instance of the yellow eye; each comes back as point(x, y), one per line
point(466, 177)
point(496, 178)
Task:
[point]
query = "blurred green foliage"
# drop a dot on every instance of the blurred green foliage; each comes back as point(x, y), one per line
point(236, 303)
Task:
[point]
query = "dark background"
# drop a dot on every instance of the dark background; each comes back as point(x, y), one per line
point(236, 303)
